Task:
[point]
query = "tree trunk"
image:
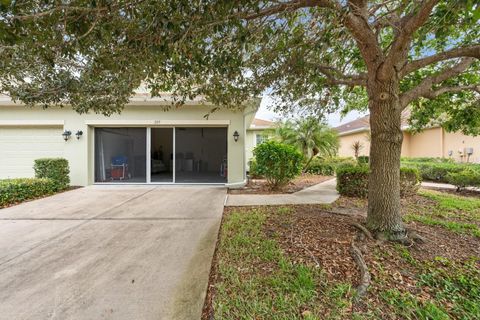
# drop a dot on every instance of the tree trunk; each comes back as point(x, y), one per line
point(384, 215)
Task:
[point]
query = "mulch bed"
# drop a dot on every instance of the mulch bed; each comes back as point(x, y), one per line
point(260, 186)
point(319, 235)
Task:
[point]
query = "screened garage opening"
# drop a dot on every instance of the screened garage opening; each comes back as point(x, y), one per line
point(120, 155)
point(175, 155)
point(201, 155)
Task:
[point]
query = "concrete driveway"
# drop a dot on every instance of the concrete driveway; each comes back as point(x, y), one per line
point(101, 252)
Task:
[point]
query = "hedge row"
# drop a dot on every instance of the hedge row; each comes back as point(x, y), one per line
point(17, 190)
point(328, 166)
point(439, 171)
point(352, 181)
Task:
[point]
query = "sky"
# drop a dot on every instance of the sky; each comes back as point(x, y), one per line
point(265, 112)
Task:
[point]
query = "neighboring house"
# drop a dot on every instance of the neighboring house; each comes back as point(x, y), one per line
point(143, 144)
point(432, 142)
point(255, 136)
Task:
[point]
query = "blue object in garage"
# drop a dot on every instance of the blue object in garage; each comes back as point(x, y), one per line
point(119, 160)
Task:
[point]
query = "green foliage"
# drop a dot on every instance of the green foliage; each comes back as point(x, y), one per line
point(363, 159)
point(327, 166)
point(352, 181)
point(309, 135)
point(438, 170)
point(18, 190)
point(55, 169)
point(253, 170)
point(93, 55)
point(464, 178)
point(278, 163)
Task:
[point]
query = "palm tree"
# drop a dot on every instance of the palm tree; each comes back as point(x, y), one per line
point(357, 146)
point(312, 137)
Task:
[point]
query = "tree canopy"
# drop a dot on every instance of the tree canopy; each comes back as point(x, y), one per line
point(308, 54)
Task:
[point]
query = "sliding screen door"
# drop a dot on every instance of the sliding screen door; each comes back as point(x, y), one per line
point(201, 155)
point(120, 155)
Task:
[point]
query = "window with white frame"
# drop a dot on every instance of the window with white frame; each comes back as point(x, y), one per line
point(260, 138)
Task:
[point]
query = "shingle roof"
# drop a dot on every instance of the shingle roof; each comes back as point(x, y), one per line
point(358, 124)
point(258, 124)
point(363, 124)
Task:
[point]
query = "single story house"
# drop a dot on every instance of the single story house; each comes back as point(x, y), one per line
point(255, 135)
point(432, 142)
point(144, 144)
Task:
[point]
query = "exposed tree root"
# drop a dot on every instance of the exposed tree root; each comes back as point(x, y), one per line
point(365, 277)
point(367, 233)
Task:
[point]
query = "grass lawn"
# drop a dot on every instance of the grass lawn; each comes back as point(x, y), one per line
point(295, 263)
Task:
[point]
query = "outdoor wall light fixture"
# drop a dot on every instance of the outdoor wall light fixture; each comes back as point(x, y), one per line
point(79, 134)
point(66, 134)
point(236, 135)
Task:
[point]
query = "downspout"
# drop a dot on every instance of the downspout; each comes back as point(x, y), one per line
point(245, 143)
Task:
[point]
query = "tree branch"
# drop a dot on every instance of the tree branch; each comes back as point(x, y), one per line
point(336, 77)
point(472, 51)
point(432, 94)
point(403, 36)
point(425, 87)
point(289, 7)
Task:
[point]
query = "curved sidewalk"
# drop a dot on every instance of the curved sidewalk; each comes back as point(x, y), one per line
point(322, 193)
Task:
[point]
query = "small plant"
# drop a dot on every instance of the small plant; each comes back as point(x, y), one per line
point(278, 163)
point(55, 169)
point(357, 146)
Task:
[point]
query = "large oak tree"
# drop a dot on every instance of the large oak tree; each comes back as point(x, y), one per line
point(316, 56)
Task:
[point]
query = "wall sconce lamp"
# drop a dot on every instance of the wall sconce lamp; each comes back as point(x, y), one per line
point(79, 134)
point(236, 135)
point(66, 134)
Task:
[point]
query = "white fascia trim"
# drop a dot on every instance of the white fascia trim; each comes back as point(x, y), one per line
point(142, 123)
point(31, 123)
point(258, 128)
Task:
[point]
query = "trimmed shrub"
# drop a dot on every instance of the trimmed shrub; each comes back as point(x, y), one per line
point(278, 163)
point(55, 169)
point(17, 190)
point(327, 166)
point(427, 159)
point(464, 178)
point(352, 181)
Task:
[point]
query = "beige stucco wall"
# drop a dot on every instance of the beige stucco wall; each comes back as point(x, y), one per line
point(427, 143)
point(456, 142)
point(346, 142)
point(80, 153)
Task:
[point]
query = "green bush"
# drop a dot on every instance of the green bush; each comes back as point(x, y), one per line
point(363, 159)
point(352, 181)
point(438, 171)
point(327, 166)
point(427, 159)
point(253, 171)
point(55, 169)
point(278, 163)
point(17, 190)
point(464, 178)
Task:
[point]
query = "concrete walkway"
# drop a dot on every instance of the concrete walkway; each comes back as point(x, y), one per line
point(120, 253)
point(437, 185)
point(322, 193)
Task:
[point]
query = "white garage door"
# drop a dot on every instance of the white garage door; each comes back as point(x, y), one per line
point(19, 147)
